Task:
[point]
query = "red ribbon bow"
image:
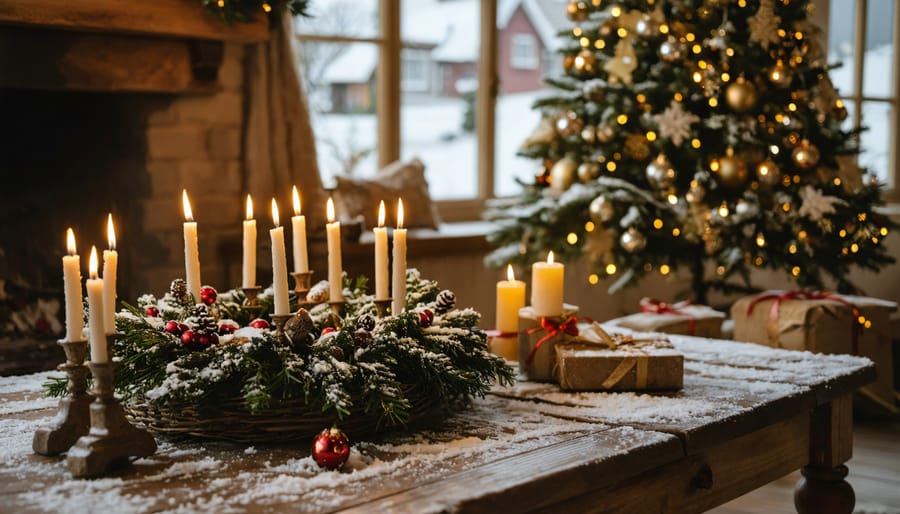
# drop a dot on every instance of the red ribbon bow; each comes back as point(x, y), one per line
point(553, 329)
point(654, 306)
point(772, 325)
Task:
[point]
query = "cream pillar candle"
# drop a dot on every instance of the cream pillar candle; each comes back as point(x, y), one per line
point(248, 268)
point(547, 287)
point(72, 283)
point(279, 265)
point(381, 257)
point(335, 268)
point(398, 289)
point(298, 226)
point(191, 251)
point(510, 298)
point(95, 312)
point(110, 266)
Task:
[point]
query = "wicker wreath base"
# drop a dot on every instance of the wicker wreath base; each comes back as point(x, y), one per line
point(285, 421)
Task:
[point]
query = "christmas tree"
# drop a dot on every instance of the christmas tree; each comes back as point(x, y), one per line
point(695, 134)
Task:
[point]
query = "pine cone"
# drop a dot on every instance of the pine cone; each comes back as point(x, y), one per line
point(202, 321)
point(446, 301)
point(179, 291)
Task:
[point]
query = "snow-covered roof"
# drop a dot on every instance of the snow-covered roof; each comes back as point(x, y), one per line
point(354, 65)
point(547, 16)
point(461, 20)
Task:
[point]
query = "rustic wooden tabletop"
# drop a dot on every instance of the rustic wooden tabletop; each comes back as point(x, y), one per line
point(747, 415)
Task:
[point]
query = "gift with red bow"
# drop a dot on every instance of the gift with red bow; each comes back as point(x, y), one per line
point(538, 337)
point(823, 322)
point(674, 318)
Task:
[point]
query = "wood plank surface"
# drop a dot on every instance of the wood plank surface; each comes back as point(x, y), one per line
point(178, 18)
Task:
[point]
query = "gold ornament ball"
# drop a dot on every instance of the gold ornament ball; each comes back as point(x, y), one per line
point(589, 134)
point(562, 174)
point(588, 171)
point(577, 11)
point(732, 171)
point(568, 62)
point(601, 210)
point(660, 173)
point(741, 95)
point(637, 147)
point(805, 155)
point(585, 61)
point(605, 134)
point(568, 123)
point(768, 172)
point(632, 240)
point(780, 75)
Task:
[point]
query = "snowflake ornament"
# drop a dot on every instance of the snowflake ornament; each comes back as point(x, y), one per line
point(815, 205)
point(623, 63)
point(675, 123)
point(764, 25)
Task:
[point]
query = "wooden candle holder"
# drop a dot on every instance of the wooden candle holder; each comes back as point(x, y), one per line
point(302, 282)
point(73, 419)
point(338, 310)
point(251, 300)
point(112, 440)
point(279, 320)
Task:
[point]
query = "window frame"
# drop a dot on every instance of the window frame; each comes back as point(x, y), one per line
point(518, 42)
point(857, 96)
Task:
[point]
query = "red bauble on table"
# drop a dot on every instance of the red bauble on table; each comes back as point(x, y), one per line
point(331, 448)
point(208, 295)
point(153, 312)
point(259, 323)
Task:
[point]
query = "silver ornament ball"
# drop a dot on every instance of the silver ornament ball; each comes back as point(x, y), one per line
point(632, 240)
point(660, 172)
point(601, 210)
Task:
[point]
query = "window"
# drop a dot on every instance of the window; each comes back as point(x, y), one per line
point(863, 36)
point(524, 52)
point(415, 73)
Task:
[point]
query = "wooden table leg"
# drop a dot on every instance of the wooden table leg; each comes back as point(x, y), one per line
point(823, 490)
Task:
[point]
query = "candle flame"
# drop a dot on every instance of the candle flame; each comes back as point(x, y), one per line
point(510, 274)
point(70, 241)
point(329, 210)
point(296, 197)
point(550, 257)
point(188, 214)
point(249, 211)
point(275, 213)
point(399, 213)
point(92, 263)
point(110, 233)
point(381, 214)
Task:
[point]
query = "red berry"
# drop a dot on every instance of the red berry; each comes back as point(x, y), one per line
point(203, 340)
point(327, 330)
point(426, 317)
point(183, 328)
point(208, 295)
point(331, 448)
point(153, 312)
point(213, 339)
point(174, 328)
point(187, 337)
point(259, 323)
point(227, 328)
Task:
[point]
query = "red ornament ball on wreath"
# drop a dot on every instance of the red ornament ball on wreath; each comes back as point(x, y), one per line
point(153, 312)
point(328, 330)
point(174, 328)
point(227, 328)
point(207, 340)
point(426, 318)
point(331, 448)
point(208, 295)
point(259, 323)
point(187, 337)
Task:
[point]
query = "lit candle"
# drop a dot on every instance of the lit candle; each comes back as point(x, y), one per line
point(298, 224)
point(110, 265)
point(381, 256)
point(72, 282)
point(248, 275)
point(547, 287)
point(95, 312)
point(335, 269)
point(398, 288)
point(279, 265)
point(510, 298)
point(191, 251)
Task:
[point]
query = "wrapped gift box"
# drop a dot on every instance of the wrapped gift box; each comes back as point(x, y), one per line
point(823, 325)
point(686, 319)
point(637, 365)
point(543, 360)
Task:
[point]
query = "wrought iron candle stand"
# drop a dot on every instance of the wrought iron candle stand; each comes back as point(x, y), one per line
point(73, 417)
point(383, 306)
point(112, 440)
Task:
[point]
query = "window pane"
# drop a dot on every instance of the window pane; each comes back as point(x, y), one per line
point(438, 83)
point(875, 141)
point(878, 70)
point(345, 18)
point(340, 85)
point(841, 34)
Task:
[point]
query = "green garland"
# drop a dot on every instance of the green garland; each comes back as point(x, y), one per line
point(366, 362)
point(245, 11)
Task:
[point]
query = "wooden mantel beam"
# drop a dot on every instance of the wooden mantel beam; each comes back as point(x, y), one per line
point(170, 18)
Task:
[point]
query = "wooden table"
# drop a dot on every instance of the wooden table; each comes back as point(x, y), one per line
point(747, 415)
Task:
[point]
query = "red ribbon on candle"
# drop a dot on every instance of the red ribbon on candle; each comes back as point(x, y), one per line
point(772, 323)
point(654, 306)
point(553, 329)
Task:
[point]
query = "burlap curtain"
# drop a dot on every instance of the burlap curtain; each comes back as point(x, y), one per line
point(279, 147)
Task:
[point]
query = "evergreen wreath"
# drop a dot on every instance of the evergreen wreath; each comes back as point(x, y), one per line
point(245, 11)
point(364, 363)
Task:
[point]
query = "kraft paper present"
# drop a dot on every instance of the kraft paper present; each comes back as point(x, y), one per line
point(707, 322)
point(543, 360)
point(631, 366)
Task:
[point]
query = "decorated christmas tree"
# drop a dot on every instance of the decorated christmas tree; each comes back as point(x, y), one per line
point(695, 134)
